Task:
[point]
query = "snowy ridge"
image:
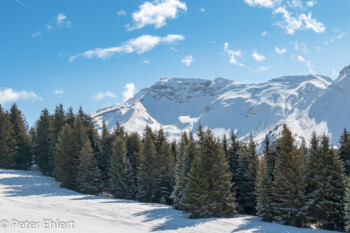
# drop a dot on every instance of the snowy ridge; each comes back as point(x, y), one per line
point(306, 103)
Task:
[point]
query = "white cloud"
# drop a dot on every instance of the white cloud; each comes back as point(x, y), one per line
point(20, 2)
point(301, 46)
point(308, 63)
point(146, 61)
point(301, 59)
point(257, 56)
point(129, 91)
point(187, 60)
point(263, 3)
point(295, 4)
point(60, 21)
point(234, 55)
point(293, 18)
point(121, 13)
point(337, 37)
point(261, 69)
point(280, 51)
point(138, 45)
point(156, 13)
point(59, 92)
point(201, 10)
point(265, 33)
point(8, 95)
point(101, 95)
point(311, 3)
point(36, 34)
point(302, 22)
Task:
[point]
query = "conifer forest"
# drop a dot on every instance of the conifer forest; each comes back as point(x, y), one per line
point(298, 184)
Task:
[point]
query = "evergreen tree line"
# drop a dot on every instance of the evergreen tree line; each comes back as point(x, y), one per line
point(205, 176)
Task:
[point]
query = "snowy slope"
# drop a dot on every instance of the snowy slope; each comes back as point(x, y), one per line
point(182, 104)
point(33, 197)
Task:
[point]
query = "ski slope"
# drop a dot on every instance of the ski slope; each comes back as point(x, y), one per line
point(29, 196)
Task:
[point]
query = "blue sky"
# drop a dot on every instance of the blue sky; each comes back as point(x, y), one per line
point(98, 53)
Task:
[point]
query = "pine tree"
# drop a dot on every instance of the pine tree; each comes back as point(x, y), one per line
point(196, 194)
point(58, 122)
point(44, 145)
point(133, 154)
point(91, 132)
point(105, 155)
point(89, 176)
point(326, 185)
point(122, 177)
point(264, 190)
point(147, 175)
point(64, 166)
point(220, 201)
point(270, 156)
point(23, 154)
point(70, 118)
point(289, 183)
point(165, 168)
point(233, 159)
point(80, 138)
point(347, 206)
point(187, 151)
point(344, 150)
point(7, 141)
point(248, 164)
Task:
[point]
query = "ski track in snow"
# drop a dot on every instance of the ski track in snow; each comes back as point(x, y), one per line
point(28, 195)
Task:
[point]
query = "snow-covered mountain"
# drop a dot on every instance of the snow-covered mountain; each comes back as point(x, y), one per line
point(305, 103)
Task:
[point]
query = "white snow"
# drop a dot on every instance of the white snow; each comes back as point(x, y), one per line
point(29, 196)
point(306, 103)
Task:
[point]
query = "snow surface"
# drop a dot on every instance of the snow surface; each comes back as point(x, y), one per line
point(305, 103)
point(27, 195)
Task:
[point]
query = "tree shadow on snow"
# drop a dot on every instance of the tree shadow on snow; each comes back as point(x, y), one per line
point(254, 224)
point(174, 219)
point(28, 183)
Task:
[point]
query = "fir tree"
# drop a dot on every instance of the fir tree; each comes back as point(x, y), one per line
point(148, 184)
point(58, 122)
point(122, 177)
point(270, 157)
point(133, 148)
point(326, 184)
point(70, 118)
point(347, 206)
point(187, 151)
point(165, 168)
point(220, 201)
point(23, 154)
point(196, 194)
point(89, 176)
point(233, 158)
point(7, 141)
point(105, 155)
point(344, 150)
point(289, 183)
point(44, 145)
point(80, 138)
point(264, 190)
point(64, 166)
point(248, 162)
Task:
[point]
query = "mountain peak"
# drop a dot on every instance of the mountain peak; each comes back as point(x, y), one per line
point(181, 104)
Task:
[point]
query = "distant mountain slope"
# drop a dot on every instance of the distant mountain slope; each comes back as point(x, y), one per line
point(305, 103)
